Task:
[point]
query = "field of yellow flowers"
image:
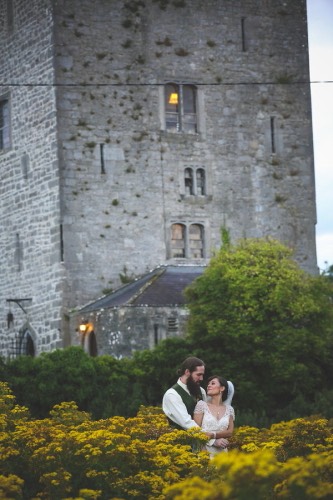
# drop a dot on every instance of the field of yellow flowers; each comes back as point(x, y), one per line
point(69, 456)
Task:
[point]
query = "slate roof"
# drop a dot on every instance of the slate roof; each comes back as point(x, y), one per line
point(163, 286)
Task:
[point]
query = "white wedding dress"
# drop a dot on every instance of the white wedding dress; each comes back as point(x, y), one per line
point(211, 424)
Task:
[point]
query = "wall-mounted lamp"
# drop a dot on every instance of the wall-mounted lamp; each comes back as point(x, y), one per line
point(83, 327)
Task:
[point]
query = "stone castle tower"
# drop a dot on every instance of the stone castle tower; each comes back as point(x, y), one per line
point(131, 132)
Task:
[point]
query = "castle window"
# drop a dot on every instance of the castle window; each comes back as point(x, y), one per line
point(195, 183)
point(273, 135)
point(188, 181)
point(244, 44)
point(201, 184)
point(178, 241)
point(187, 241)
point(180, 108)
point(196, 241)
point(4, 124)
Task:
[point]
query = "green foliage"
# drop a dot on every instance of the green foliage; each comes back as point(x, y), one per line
point(266, 325)
point(255, 318)
point(71, 456)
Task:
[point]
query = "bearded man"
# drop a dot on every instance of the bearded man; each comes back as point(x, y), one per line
point(179, 401)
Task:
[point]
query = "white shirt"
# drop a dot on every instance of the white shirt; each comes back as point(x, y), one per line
point(174, 407)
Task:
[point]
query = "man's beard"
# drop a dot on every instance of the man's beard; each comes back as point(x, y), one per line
point(194, 388)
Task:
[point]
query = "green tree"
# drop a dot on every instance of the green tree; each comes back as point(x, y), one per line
point(265, 324)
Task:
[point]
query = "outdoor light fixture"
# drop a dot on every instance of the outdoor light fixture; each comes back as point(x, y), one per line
point(83, 327)
point(173, 99)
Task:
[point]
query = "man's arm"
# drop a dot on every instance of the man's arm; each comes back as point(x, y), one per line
point(175, 409)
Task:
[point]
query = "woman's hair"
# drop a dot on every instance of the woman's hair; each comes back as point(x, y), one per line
point(190, 364)
point(223, 382)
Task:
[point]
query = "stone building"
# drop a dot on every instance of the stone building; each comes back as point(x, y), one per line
point(131, 131)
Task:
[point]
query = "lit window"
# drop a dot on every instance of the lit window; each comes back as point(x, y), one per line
point(187, 241)
point(4, 125)
point(180, 108)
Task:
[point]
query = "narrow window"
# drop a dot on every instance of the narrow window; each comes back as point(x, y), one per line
point(18, 253)
point(273, 135)
point(10, 15)
point(201, 184)
point(27, 346)
point(180, 108)
point(61, 244)
point(178, 241)
point(155, 334)
point(92, 344)
point(189, 109)
point(189, 181)
point(244, 45)
point(25, 165)
point(4, 125)
point(196, 241)
point(101, 147)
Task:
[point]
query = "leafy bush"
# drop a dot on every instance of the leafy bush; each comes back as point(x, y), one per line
point(67, 455)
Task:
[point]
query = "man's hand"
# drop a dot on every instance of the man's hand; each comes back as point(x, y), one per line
point(221, 443)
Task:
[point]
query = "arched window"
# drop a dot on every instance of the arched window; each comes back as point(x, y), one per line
point(4, 124)
point(92, 344)
point(187, 241)
point(89, 343)
point(180, 107)
point(178, 241)
point(196, 241)
point(201, 182)
point(27, 346)
point(189, 181)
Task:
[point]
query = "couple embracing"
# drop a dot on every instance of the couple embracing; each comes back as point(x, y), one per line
point(187, 405)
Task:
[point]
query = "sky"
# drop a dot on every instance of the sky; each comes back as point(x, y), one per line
point(320, 32)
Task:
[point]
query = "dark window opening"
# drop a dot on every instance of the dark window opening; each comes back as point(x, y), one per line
point(61, 244)
point(25, 165)
point(10, 15)
point(188, 181)
point(101, 147)
point(155, 334)
point(4, 124)
point(92, 344)
point(18, 253)
point(273, 135)
point(201, 185)
point(27, 346)
point(244, 44)
point(195, 184)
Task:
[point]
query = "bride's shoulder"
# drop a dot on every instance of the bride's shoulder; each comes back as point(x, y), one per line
point(230, 410)
point(201, 405)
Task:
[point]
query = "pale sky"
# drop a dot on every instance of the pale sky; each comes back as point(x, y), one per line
point(320, 28)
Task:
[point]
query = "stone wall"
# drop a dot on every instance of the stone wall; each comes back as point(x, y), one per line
point(29, 186)
point(251, 71)
point(94, 181)
point(120, 332)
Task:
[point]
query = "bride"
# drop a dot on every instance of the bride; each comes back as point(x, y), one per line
point(217, 415)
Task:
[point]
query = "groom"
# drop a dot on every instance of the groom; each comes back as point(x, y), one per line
point(180, 400)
